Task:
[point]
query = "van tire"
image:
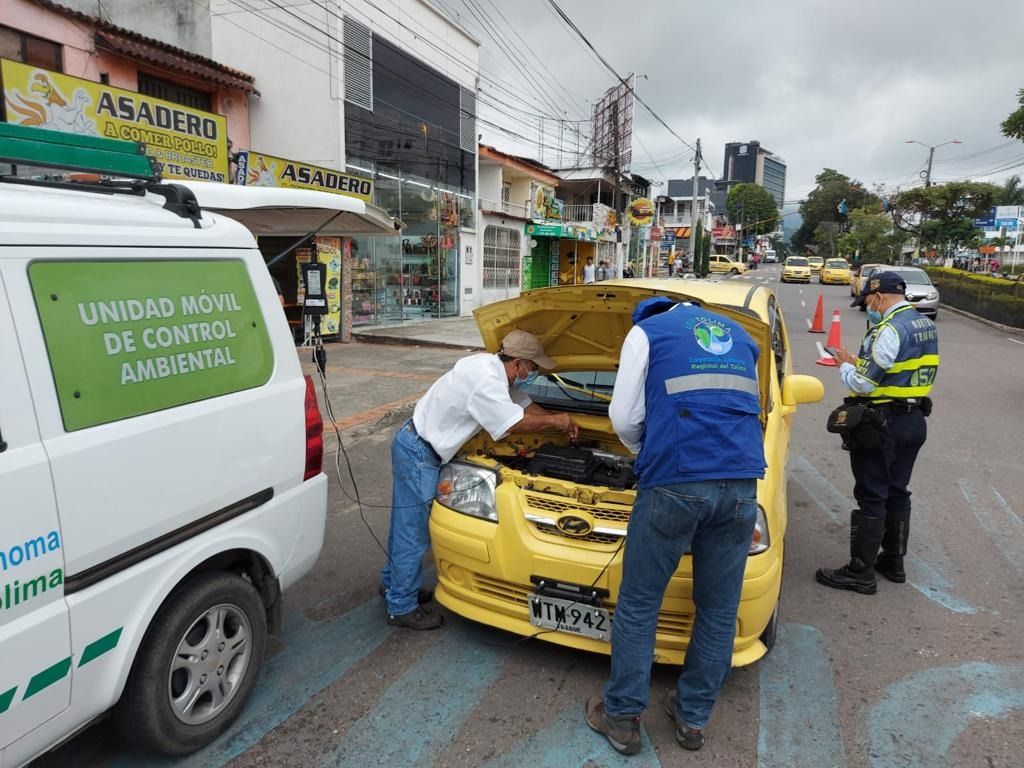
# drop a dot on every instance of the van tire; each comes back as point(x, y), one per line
point(144, 715)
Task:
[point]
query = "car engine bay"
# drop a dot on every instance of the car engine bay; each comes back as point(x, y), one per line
point(580, 463)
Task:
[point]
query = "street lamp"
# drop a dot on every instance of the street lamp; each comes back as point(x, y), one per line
point(931, 153)
point(928, 176)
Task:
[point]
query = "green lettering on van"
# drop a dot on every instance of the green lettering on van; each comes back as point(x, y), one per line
point(126, 338)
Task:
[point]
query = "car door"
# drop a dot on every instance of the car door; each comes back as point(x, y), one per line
point(35, 643)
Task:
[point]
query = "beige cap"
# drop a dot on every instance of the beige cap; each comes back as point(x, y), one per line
point(526, 346)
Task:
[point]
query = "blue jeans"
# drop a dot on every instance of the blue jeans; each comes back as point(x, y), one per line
point(714, 520)
point(415, 468)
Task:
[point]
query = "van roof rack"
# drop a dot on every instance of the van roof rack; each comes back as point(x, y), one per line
point(22, 145)
point(126, 160)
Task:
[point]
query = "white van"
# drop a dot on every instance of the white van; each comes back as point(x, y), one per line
point(160, 466)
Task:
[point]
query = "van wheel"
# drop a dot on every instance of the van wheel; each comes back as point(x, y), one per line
point(196, 666)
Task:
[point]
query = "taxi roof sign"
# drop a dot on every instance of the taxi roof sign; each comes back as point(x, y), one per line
point(21, 145)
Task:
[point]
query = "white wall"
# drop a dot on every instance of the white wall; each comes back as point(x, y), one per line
point(489, 182)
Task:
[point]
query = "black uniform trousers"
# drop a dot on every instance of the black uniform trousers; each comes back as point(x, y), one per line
point(881, 477)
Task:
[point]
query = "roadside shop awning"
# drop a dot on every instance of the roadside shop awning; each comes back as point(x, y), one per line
point(283, 211)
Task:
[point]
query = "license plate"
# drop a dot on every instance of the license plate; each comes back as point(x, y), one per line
point(568, 616)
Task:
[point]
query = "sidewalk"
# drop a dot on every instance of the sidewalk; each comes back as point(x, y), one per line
point(450, 333)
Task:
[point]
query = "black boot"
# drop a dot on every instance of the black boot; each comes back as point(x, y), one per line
point(889, 562)
point(859, 574)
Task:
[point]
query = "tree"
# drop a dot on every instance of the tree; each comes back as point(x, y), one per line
point(1011, 193)
point(753, 207)
point(1013, 126)
point(822, 203)
point(871, 237)
point(826, 236)
point(945, 211)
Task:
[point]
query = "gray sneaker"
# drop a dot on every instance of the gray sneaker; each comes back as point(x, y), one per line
point(688, 738)
point(623, 733)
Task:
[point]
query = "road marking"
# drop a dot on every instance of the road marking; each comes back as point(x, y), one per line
point(316, 654)
point(570, 742)
point(1003, 526)
point(920, 575)
point(921, 717)
point(821, 351)
point(803, 303)
point(416, 718)
point(1015, 341)
point(801, 291)
point(799, 722)
point(808, 321)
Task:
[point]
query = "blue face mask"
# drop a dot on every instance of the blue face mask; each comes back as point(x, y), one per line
point(531, 377)
point(874, 316)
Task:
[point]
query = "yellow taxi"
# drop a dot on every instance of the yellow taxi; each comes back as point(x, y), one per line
point(860, 276)
point(796, 269)
point(528, 531)
point(720, 263)
point(835, 272)
point(816, 262)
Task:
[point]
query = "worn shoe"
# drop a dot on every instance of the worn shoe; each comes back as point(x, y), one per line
point(891, 566)
point(688, 738)
point(423, 617)
point(854, 576)
point(423, 597)
point(859, 574)
point(623, 733)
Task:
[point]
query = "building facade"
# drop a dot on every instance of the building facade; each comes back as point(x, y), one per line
point(383, 99)
point(750, 163)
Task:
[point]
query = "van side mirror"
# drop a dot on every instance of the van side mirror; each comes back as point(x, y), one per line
point(798, 389)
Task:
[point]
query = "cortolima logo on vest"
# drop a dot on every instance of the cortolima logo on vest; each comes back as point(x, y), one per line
point(712, 337)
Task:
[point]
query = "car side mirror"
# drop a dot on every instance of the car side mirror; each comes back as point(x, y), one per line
point(798, 389)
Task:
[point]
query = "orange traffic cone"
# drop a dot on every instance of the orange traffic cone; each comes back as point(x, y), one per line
point(816, 323)
point(833, 341)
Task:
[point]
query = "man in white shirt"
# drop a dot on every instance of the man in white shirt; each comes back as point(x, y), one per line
point(589, 271)
point(482, 391)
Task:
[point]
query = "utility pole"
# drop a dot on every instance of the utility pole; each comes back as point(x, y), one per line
point(615, 194)
point(927, 180)
point(693, 209)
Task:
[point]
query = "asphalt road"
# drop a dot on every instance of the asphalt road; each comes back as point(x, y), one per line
point(929, 673)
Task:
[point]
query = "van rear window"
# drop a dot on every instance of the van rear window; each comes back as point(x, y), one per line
point(126, 338)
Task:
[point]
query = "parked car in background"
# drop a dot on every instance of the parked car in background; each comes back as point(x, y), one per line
point(723, 264)
point(921, 292)
point(796, 270)
point(835, 272)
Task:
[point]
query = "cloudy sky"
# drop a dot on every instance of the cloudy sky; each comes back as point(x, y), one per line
point(822, 84)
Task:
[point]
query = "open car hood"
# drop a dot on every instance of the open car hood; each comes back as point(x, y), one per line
point(582, 327)
point(284, 211)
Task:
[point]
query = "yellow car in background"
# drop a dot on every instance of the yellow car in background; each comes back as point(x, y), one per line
point(796, 269)
point(816, 262)
point(527, 531)
point(721, 263)
point(835, 272)
point(861, 274)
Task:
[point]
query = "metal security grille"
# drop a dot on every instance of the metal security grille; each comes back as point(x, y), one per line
point(358, 64)
point(467, 119)
point(501, 257)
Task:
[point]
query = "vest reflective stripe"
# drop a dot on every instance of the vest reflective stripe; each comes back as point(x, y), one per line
point(901, 393)
point(913, 365)
point(696, 381)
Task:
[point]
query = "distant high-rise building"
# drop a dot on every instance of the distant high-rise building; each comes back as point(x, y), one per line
point(751, 163)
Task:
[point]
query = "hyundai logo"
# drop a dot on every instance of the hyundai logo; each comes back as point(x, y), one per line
point(571, 525)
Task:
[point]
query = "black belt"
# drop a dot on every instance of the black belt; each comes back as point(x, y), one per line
point(904, 406)
point(412, 428)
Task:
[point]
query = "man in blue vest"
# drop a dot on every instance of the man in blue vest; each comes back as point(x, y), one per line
point(687, 399)
point(892, 376)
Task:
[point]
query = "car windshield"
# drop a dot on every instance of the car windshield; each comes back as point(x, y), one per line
point(796, 262)
point(837, 264)
point(589, 391)
point(913, 276)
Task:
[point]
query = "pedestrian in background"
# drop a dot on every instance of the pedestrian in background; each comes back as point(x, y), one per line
point(482, 391)
point(890, 380)
point(589, 271)
point(697, 429)
point(679, 265)
point(603, 271)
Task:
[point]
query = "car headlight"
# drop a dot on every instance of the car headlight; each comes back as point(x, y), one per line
point(469, 489)
point(760, 540)
point(931, 295)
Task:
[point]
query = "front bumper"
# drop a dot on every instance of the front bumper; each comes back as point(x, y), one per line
point(484, 571)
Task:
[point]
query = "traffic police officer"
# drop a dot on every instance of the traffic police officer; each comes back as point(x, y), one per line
point(687, 399)
point(892, 375)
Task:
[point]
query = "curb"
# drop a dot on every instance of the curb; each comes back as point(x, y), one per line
point(982, 320)
point(404, 341)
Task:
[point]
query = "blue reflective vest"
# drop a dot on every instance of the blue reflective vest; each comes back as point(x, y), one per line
point(702, 400)
point(912, 375)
